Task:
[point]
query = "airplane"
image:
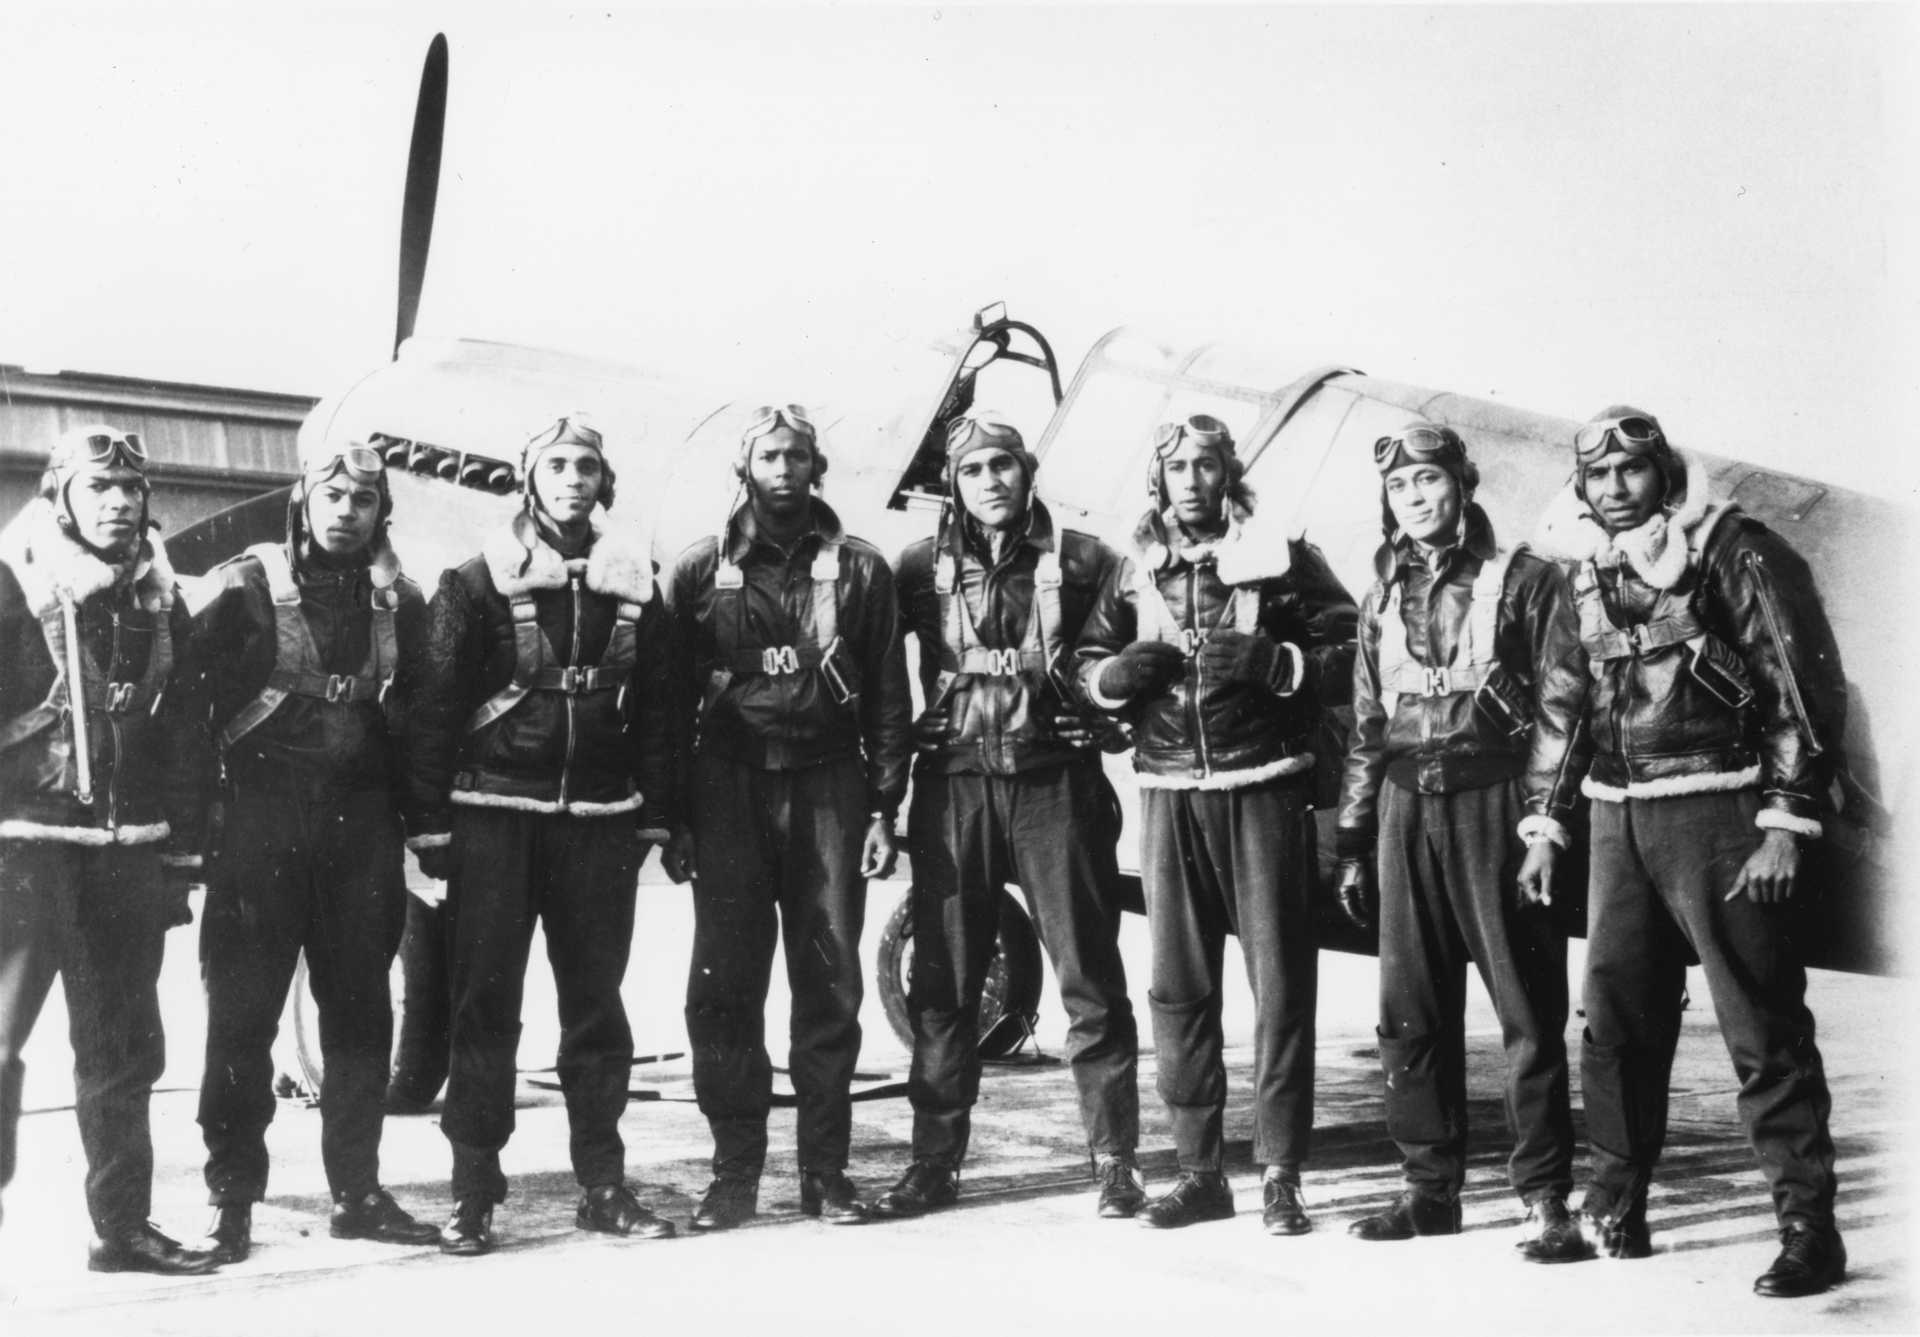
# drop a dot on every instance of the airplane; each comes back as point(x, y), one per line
point(449, 415)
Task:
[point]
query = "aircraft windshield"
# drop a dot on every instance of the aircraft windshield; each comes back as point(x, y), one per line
point(1096, 449)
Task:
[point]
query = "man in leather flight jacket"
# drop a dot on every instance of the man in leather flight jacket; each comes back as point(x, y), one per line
point(542, 761)
point(1009, 787)
point(90, 796)
point(1467, 692)
point(1223, 646)
point(1717, 711)
point(790, 635)
point(296, 649)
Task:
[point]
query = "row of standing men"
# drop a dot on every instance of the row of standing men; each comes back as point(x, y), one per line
point(554, 713)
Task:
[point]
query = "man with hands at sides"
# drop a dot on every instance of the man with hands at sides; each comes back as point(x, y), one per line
point(788, 628)
point(542, 762)
point(1009, 787)
point(1467, 691)
point(1716, 715)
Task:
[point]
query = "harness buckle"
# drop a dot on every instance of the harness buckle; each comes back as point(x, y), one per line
point(780, 659)
point(119, 697)
point(1439, 682)
point(1638, 639)
point(339, 688)
point(1003, 663)
point(1189, 642)
point(572, 679)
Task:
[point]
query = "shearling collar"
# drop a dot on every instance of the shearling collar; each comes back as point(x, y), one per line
point(520, 561)
point(51, 564)
point(1250, 551)
point(1657, 551)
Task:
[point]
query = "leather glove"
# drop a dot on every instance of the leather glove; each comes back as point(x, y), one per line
point(179, 874)
point(435, 861)
point(1355, 892)
point(1142, 669)
point(930, 731)
point(1247, 657)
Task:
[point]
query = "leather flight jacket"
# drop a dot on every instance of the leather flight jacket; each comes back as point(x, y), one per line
point(772, 684)
point(299, 661)
point(1201, 733)
point(1482, 680)
point(996, 640)
point(143, 772)
point(1728, 679)
point(546, 686)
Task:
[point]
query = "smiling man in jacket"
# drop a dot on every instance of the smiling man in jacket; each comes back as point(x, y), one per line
point(1223, 645)
point(1717, 710)
point(1467, 693)
point(541, 759)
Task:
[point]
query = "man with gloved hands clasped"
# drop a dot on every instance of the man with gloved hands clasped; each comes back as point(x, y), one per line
point(1220, 644)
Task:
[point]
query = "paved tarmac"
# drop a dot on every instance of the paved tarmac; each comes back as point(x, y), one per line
point(1023, 1249)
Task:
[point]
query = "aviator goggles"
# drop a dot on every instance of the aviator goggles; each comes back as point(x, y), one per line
point(1637, 435)
point(107, 448)
point(1203, 428)
point(359, 462)
point(573, 429)
point(985, 423)
point(771, 417)
point(1421, 444)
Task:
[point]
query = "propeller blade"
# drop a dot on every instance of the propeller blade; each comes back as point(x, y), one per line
point(423, 187)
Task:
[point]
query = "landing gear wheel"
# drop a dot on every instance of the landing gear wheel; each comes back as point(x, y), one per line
point(1013, 976)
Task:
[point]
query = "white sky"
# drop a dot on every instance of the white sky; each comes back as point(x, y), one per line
point(1704, 210)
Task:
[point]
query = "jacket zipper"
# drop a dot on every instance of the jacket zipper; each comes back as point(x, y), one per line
point(992, 737)
point(1629, 676)
point(1194, 690)
point(113, 729)
point(573, 659)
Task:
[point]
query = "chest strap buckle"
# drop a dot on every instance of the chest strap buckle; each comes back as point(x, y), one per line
point(779, 659)
point(1003, 663)
point(1439, 682)
point(119, 697)
point(1189, 642)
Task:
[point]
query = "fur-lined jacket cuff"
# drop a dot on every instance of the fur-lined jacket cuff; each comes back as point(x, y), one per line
point(1537, 827)
point(1780, 819)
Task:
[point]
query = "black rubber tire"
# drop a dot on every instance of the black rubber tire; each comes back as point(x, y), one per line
point(1014, 976)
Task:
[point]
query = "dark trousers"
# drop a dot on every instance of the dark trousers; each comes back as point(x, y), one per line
point(778, 852)
point(1660, 870)
point(1052, 832)
point(98, 919)
point(1232, 861)
point(420, 1053)
point(300, 868)
point(1449, 864)
point(577, 876)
